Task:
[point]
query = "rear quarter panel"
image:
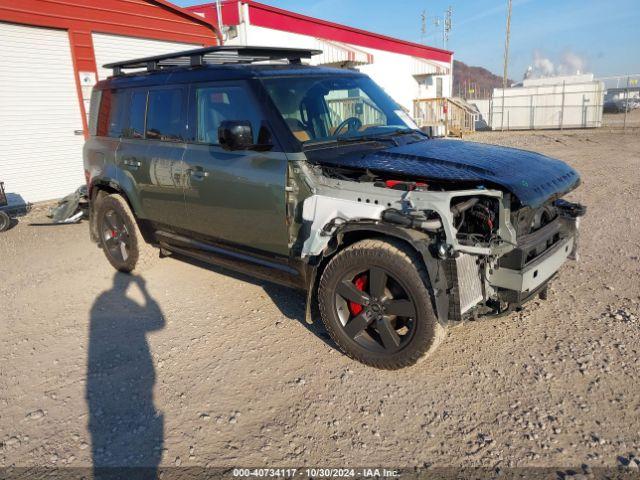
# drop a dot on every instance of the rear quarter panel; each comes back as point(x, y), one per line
point(100, 161)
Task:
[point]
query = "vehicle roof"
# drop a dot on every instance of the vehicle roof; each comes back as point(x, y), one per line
point(209, 73)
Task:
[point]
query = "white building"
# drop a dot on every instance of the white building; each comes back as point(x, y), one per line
point(407, 71)
point(573, 101)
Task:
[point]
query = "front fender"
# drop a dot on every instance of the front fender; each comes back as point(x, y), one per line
point(419, 241)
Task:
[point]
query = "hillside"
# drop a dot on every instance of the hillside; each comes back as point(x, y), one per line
point(480, 79)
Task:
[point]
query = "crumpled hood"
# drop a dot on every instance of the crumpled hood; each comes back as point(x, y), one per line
point(530, 176)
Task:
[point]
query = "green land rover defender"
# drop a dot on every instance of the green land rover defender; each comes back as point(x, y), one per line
point(314, 178)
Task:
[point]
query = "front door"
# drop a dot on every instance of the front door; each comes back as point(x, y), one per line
point(236, 197)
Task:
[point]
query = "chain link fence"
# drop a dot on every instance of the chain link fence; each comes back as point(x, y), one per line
point(552, 106)
point(611, 102)
point(621, 106)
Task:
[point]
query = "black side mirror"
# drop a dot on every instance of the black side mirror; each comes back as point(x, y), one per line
point(235, 135)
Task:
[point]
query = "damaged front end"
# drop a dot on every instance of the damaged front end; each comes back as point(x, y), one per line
point(484, 250)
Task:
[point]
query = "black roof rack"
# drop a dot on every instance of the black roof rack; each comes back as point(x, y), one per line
point(214, 55)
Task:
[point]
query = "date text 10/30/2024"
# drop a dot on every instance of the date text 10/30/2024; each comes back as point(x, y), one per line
point(315, 472)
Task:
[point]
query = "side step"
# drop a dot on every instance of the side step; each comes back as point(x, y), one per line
point(253, 266)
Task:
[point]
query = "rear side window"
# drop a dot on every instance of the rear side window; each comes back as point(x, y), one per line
point(110, 122)
point(102, 124)
point(166, 115)
point(217, 104)
point(117, 117)
point(137, 112)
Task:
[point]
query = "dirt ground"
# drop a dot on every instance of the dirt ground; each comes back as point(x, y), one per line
point(193, 367)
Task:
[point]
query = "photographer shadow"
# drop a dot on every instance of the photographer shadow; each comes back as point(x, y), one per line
point(127, 432)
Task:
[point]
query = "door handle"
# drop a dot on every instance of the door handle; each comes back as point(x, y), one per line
point(131, 162)
point(198, 173)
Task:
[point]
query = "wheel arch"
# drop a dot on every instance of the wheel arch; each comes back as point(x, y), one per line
point(352, 232)
point(101, 188)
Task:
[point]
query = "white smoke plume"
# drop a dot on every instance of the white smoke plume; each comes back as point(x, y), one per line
point(569, 63)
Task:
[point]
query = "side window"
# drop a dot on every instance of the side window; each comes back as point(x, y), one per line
point(94, 109)
point(102, 124)
point(110, 120)
point(138, 110)
point(217, 104)
point(117, 117)
point(166, 119)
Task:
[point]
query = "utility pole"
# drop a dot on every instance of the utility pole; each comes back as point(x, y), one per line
point(506, 45)
point(445, 22)
point(446, 26)
point(506, 58)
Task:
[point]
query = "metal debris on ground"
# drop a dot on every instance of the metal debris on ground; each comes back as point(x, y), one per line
point(72, 208)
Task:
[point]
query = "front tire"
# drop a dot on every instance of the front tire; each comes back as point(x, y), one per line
point(120, 237)
point(375, 304)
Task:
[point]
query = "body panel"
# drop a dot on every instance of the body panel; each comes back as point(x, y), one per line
point(532, 177)
point(100, 162)
point(159, 179)
point(241, 199)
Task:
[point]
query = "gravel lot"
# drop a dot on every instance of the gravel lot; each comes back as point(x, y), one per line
point(194, 367)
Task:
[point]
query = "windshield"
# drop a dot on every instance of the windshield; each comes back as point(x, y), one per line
point(319, 109)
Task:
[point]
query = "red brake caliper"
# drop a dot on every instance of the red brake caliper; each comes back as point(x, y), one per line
point(361, 283)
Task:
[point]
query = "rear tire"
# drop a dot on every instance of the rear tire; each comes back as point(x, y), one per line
point(375, 304)
point(5, 221)
point(120, 237)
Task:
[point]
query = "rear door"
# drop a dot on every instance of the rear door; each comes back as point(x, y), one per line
point(151, 153)
point(236, 197)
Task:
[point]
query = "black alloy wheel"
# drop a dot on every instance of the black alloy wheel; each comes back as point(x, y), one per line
point(375, 303)
point(115, 236)
point(375, 310)
point(119, 235)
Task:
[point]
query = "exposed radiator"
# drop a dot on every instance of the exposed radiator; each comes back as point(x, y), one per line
point(464, 278)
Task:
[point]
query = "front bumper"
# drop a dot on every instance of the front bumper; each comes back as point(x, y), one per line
point(525, 271)
point(535, 273)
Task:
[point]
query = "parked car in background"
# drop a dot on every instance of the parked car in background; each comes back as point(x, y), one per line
point(620, 106)
point(316, 179)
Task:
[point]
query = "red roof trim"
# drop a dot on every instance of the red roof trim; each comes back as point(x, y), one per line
point(230, 12)
point(191, 16)
point(262, 15)
point(140, 18)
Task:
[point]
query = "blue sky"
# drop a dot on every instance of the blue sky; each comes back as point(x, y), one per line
point(603, 35)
